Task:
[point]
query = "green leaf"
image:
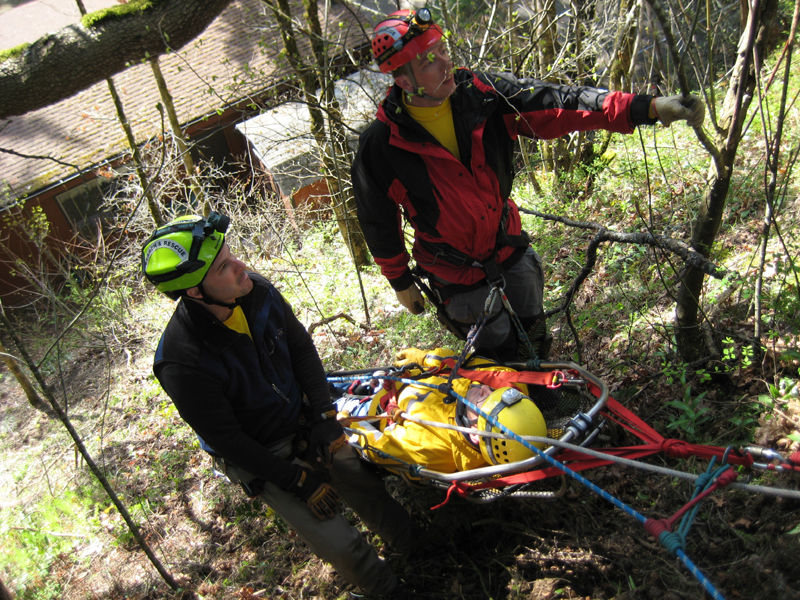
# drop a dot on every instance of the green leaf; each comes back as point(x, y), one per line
point(679, 404)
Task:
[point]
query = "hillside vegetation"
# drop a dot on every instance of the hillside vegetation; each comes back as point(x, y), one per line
point(92, 337)
point(62, 538)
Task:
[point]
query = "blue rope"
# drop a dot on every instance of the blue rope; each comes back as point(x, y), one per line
point(701, 484)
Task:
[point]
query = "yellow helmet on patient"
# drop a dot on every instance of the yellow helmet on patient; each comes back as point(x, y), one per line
point(516, 412)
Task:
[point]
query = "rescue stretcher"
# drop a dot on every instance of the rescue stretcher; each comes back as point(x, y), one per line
point(579, 415)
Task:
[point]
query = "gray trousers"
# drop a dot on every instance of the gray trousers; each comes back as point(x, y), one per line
point(524, 287)
point(335, 540)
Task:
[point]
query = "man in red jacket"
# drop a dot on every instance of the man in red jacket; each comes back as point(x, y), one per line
point(440, 152)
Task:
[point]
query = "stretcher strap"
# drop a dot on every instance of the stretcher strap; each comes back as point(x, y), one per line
point(671, 447)
point(498, 379)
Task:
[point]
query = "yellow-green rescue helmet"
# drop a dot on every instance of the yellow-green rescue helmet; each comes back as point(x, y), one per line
point(518, 413)
point(179, 254)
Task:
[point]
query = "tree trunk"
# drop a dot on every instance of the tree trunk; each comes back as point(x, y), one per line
point(332, 145)
point(61, 64)
point(546, 36)
point(155, 211)
point(688, 332)
point(335, 153)
point(177, 133)
point(25, 383)
point(689, 337)
point(623, 45)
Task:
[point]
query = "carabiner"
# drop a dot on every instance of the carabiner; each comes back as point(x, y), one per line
point(558, 379)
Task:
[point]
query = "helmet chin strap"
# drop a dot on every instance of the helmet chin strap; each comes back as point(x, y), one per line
point(419, 92)
point(208, 300)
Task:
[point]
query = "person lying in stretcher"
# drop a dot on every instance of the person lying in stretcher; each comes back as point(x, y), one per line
point(393, 442)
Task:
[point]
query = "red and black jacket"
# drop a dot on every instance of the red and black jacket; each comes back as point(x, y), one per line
point(400, 168)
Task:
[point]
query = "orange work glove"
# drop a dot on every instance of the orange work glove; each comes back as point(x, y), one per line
point(316, 493)
point(410, 356)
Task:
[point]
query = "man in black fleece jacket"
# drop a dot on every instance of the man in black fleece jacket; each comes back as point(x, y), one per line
point(243, 372)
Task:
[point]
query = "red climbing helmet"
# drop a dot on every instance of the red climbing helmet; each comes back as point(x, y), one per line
point(403, 35)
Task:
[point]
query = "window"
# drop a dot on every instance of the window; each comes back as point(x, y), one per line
point(82, 205)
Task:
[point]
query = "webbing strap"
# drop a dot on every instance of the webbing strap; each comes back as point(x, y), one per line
point(672, 447)
point(498, 379)
point(445, 251)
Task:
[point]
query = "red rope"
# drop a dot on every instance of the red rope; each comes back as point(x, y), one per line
point(723, 479)
point(462, 489)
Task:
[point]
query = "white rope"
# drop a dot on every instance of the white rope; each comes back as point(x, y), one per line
point(768, 491)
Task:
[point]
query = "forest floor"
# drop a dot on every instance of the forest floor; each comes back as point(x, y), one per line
point(219, 545)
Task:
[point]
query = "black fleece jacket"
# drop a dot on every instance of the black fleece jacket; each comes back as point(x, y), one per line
point(241, 396)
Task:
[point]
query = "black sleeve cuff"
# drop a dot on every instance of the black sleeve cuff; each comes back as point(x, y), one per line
point(290, 485)
point(640, 110)
point(323, 412)
point(403, 282)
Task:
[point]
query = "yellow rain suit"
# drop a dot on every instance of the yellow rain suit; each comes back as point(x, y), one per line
point(435, 448)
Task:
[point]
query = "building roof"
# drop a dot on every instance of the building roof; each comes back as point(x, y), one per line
point(235, 58)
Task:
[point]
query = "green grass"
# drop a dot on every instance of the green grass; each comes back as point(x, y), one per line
point(36, 538)
point(622, 315)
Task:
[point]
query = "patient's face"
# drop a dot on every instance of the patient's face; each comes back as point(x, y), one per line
point(477, 395)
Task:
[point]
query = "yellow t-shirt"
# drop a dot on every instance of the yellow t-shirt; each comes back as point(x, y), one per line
point(438, 121)
point(238, 322)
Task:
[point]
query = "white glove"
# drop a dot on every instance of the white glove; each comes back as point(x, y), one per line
point(675, 108)
point(412, 299)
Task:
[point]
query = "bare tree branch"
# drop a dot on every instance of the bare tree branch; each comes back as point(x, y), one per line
point(328, 320)
point(690, 257)
point(45, 72)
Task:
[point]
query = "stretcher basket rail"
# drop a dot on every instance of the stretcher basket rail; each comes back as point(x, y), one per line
point(580, 428)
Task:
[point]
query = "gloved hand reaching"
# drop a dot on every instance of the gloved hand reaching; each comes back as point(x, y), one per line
point(327, 437)
point(316, 493)
point(675, 108)
point(409, 356)
point(412, 299)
